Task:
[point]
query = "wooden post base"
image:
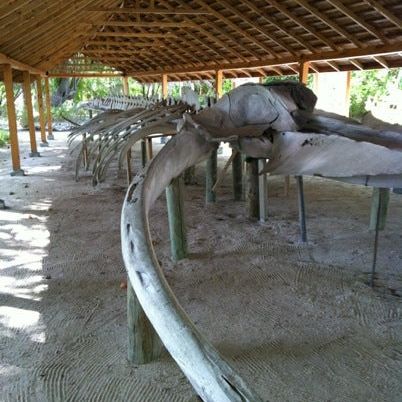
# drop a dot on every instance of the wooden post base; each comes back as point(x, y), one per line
point(50, 137)
point(174, 199)
point(18, 172)
point(262, 192)
point(237, 172)
point(44, 144)
point(287, 186)
point(211, 176)
point(302, 209)
point(252, 196)
point(143, 153)
point(144, 345)
point(379, 208)
point(34, 154)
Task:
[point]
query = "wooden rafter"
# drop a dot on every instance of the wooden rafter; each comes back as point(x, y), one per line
point(142, 24)
point(341, 31)
point(149, 10)
point(258, 27)
point(332, 55)
point(4, 59)
point(124, 34)
point(202, 34)
point(236, 28)
point(360, 21)
point(385, 12)
point(211, 36)
point(271, 21)
point(380, 60)
point(301, 23)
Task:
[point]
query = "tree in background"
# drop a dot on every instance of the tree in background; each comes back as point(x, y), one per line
point(372, 84)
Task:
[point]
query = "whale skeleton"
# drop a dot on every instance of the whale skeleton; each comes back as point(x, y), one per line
point(112, 133)
point(277, 122)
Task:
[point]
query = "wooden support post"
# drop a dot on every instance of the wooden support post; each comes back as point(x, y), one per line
point(378, 217)
point(144, 344)
point(237, 172)
point(211, 175)
point(148, 145)
point(129, 171)
point(12, 121)
point(126, 88)
point(29, 109)
point(39, 93)
point(302, 209)
point(48, 110)
point(143, 153)
point(303, 72)
point(379, 201)
point(262, 191)
point(85, 156)
point(303, 76)
point(189, 176)
point(287, 186)
point(175, 207)
point(219, 84)
point(164, 86)
point(252, 196)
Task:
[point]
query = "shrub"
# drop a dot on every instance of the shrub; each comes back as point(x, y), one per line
point(4, 138)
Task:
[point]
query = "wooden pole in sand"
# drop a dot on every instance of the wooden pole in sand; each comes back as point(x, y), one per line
point(175, 207)
point(29, 109)
point(48, 110)
point(39, 93)
point(303, 75)
point(12, 121)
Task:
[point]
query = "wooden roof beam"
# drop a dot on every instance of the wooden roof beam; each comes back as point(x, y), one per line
point(313, 67)
point(124, 34)
point(84, 75)
point(271, 21)
point(321, 16)
point(236, 28)
point(17, 65)
point(108, 42)
point(333, 65)
point(210, 35)
point(294, 69)
point(301, 23)
point(380, 60)
point(358, 20)
point(356, 64)
point(142, 24)
point(322, 56)
point(149, 10)
point(386, 13)
point(258, 27)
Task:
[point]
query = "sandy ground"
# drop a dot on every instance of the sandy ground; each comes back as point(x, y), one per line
point(298, 322)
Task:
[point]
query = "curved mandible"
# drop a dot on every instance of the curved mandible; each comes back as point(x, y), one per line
point(213, 379)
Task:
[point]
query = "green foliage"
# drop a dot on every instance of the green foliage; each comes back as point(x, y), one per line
point(371, 84)
point(227, 86)
point(90, 88)
point(4, 137)
point(71, 110)
point(22, 117)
